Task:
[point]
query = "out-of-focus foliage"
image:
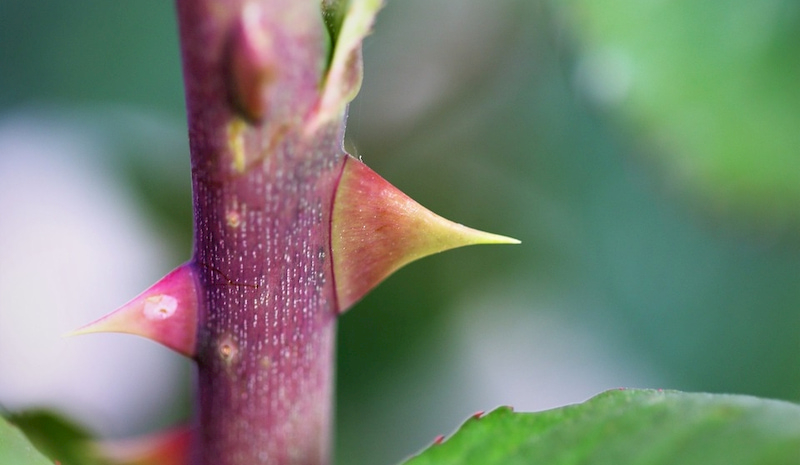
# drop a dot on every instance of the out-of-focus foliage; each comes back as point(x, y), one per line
point(84, 51)
point(57, 437)
point(630, 427)
point(711, 88)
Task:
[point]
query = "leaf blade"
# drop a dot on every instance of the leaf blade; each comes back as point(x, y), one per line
point(15, 447)
point(630, 427)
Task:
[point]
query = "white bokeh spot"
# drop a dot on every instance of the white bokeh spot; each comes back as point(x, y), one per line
point(72, 248)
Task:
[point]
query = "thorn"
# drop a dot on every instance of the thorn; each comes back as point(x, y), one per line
point(165, 313)
point(438, 439)
point(477, 415)
point(166, 448)
point(376, 229)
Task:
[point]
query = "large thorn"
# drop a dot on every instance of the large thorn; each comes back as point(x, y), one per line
point(376, 229)
point(165, 313)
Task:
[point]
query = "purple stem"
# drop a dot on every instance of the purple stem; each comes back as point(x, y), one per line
point(266, 328)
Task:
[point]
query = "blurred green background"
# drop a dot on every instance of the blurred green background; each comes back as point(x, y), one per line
point(645, 152)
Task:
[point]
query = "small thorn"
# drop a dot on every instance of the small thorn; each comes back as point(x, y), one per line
point(438, 439)
point(165, 313)
point(376, 229)
point(477, 415)
point(164, 448)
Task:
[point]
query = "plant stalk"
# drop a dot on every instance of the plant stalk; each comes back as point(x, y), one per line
point(263, 188)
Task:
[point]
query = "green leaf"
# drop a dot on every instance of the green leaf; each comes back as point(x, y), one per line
point(345, 70)
point(15, 448)
point(630, 427)
point(333, 12)
point(57, 437)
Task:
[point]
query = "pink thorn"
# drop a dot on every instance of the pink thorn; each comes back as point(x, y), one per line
point(165, 313)
point(438, 439)
point(376, 229)
point(477, 415)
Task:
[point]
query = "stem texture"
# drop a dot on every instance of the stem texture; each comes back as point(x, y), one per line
point(263, 189)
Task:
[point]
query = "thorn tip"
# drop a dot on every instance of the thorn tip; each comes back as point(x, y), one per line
point(376, 229)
